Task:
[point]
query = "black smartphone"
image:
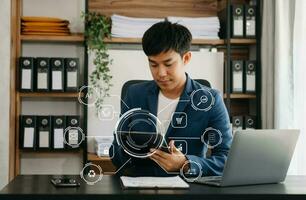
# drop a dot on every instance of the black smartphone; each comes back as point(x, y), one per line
point(65, 182)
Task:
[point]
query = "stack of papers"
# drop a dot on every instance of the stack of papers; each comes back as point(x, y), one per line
point(200, 27)
point(102, 145)
point(131, 27)
point(153, 182)
point(44, 26)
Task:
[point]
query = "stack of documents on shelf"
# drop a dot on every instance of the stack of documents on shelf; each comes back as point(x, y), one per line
point(153, 182)
point(102, 145)
point(44, 26)
point(200, 27)
point(131, 27)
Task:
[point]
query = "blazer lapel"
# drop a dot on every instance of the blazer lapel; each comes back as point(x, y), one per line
point(152, 99)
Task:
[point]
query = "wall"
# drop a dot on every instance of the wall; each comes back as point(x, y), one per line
point(4, 89)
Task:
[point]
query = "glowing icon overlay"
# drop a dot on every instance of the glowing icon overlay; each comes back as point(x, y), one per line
point(137, 131)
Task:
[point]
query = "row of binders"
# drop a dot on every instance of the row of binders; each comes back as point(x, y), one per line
point(132, 27)
point(44, 74)
point(243, 76)
point(50, 132)
point(243, 21)
point(243, 122)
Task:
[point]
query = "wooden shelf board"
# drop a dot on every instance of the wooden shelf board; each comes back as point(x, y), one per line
point(50, 94)
point(241, 96)
point(74, 37)
point(243, 41)
point(79, 37)
point(194, 41)
point(49, 152)
point(95, 157)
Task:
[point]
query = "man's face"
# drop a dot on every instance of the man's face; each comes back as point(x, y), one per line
point(168, 69)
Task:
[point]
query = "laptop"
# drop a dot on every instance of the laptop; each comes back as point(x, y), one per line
point(256, 157)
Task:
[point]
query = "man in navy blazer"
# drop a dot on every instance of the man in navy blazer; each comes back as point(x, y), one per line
point(172, 97)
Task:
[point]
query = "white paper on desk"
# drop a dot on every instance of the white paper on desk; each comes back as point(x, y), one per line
point(57, 80)
point(28, 138)
point(58, 138)
point(153, 182)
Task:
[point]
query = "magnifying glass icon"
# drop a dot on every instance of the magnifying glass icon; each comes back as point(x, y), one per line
point(203, 99)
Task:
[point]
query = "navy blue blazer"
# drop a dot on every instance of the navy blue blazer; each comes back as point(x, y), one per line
point(145, 96)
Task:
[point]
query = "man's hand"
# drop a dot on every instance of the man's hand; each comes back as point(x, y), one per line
point(171, 162)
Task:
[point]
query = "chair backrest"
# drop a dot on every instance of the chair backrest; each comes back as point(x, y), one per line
point(127, 84)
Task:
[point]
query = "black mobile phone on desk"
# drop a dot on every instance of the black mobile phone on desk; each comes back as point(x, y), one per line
point(65, 182)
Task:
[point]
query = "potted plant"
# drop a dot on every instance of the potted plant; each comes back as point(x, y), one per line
point(97, 27)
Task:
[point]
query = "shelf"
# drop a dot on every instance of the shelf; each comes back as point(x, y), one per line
point(194, 41)
point(76, 95)
point(50, 152)
point(104, 162)
point(95, 157)
point(243, 41)
point(50, 94)
point(74, 37)
point(241, 96)
point(79, 37)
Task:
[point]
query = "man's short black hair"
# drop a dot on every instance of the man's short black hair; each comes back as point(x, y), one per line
point(164, 36)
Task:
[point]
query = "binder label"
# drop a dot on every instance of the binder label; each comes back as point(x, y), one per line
point(58, 138)
point(72, 79)
point(28, 140)
point(42, 81)
point(26, 78)
point(57, 80)
point(44, 139)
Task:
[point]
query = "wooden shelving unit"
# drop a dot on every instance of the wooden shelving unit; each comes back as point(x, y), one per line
point(17, 97)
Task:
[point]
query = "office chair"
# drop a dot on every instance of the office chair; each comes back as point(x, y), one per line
point(127, 84)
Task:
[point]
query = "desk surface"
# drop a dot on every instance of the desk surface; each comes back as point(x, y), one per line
point(39, 187)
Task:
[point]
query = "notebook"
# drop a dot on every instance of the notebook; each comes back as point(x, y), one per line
point(153, 182)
